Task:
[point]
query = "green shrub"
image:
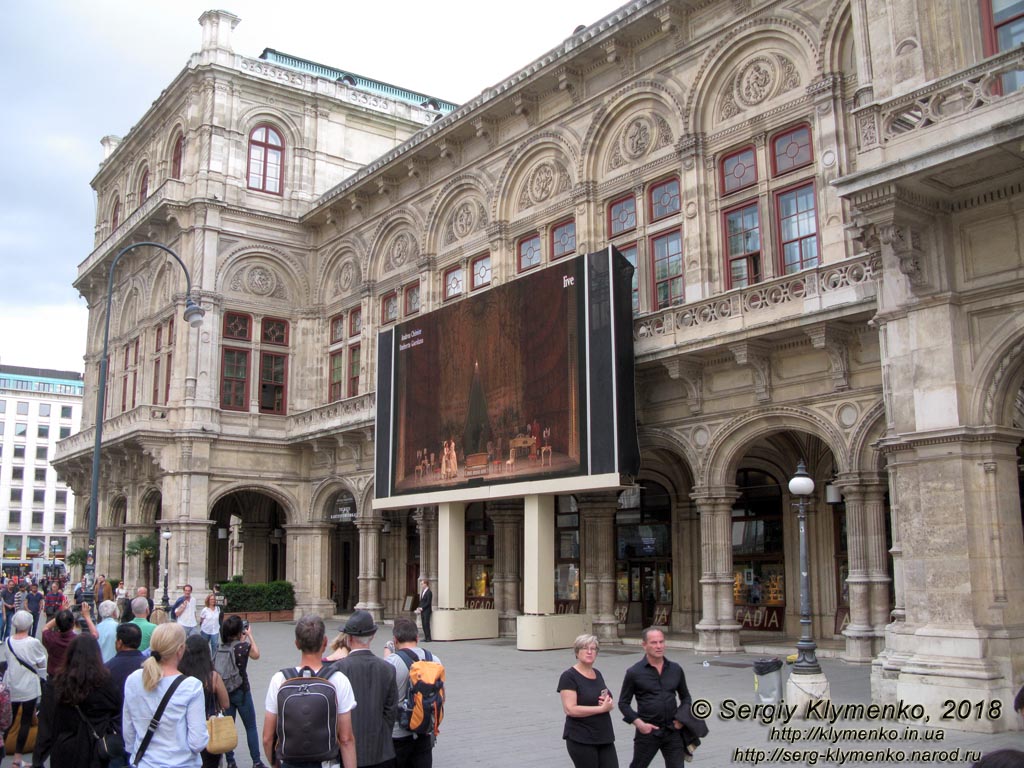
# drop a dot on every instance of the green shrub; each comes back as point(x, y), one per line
point(275, 596)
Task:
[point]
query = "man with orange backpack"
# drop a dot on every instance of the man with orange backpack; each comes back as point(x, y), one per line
point(420, 679)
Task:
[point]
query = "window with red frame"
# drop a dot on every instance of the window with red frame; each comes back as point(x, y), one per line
point(115, 215)
point(337, 327)
point(664, 198)
point(353, 370)
point(454, 283)
point(234, 390)
point(144, 187)
point(274, 331)
point(622, 215)
point(791, 150)
point(798, 228)
point(237, 326)
point(667, 258)
point(355, 322)
point(266, 159)
point(563, 239)
point(481, 271)
point(167, 379)
point(411, 300)
point(156, 381)
point(177, 154)
point(629, 253)
point(273, 380)
point(529, 252)
point(337, 385)
point(1004, 30)
point(739, 170)
point(743, 245)
point(389, 307)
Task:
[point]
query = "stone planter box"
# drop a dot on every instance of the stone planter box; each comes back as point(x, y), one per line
point(254, 617)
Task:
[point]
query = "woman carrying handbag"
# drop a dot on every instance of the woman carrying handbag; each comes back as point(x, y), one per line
point(164, 710)
point(197, 663)
point(26, 666)
point(84, 705)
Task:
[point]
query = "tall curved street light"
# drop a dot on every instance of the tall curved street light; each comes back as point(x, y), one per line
point(194, 317)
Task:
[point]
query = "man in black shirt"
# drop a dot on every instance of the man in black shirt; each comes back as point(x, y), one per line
point(659, 686)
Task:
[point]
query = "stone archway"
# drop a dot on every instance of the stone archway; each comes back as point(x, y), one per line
point(253, 543)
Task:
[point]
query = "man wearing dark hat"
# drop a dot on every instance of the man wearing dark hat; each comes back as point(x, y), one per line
point(373, 682)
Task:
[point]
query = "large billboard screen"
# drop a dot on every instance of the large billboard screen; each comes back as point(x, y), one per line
point(531, 379)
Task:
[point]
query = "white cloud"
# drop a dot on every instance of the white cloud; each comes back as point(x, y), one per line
point(44, 336)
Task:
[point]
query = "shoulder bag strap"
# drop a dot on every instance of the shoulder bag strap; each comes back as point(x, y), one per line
point(88, 724)
point(31, 669)
point(155, 722)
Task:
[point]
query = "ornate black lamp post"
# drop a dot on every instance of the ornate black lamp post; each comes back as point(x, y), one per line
point(801, 486)
point(166, 536)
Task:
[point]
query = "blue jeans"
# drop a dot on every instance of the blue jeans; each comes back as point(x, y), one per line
point(241, 702)
point(214, 641)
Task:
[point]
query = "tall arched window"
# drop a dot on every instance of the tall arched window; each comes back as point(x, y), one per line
point(176, 155)
point(144, 187)
point(115, 215)
point(266, 154)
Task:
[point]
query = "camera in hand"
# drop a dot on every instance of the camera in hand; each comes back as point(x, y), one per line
point(245, 624)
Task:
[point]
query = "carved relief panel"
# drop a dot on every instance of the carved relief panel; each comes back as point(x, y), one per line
point(757, 80)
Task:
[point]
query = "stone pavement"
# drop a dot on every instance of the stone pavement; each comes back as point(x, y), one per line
point(503, 709)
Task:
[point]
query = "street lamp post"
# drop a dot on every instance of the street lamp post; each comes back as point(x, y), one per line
point(53, 558)
point(194, 317)
point(166, 536)
point(802, 486)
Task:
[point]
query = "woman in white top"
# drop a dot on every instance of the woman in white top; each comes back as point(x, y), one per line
point(23, 676)
point(209, 622)
point(181, 735)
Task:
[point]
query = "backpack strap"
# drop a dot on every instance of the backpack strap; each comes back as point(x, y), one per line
point(155, 722)
point(411, 658)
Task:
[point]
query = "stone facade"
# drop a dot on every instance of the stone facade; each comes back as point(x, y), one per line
point(823, 202)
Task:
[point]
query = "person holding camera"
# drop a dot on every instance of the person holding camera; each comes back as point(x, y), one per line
point(232, 662)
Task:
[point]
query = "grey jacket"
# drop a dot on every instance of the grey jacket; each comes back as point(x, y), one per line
point(373, 682)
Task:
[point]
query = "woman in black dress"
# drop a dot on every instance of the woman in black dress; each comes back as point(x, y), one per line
point(587, 702)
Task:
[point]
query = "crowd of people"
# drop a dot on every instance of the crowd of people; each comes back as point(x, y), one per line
point(86, 683)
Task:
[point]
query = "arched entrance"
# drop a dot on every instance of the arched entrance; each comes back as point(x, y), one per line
point(247, 538)
point(643, 567)
point(344, 557)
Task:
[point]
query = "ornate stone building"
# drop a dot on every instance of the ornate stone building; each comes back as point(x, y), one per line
point(823, 202)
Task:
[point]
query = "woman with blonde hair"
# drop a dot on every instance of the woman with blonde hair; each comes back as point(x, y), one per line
point(181, 734)
point(589, 736)
point(339, 648)
point(158, 616)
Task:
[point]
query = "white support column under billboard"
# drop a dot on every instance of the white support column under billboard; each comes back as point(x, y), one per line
point(452, 620)
point(540, 628)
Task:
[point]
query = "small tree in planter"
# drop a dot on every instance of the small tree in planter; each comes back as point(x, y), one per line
point(148, 548)
point(76, 558)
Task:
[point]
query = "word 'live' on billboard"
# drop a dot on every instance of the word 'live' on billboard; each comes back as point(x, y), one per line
point(529, 380)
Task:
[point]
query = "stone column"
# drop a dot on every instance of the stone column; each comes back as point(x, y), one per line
point(256, 548)
point(717, 631)
point(859, 633)
point(369, 564)
point(188, 564)
point(507, 517)
point(878, 562)
point(308, 550)
point(426, 525)
point(598, 511)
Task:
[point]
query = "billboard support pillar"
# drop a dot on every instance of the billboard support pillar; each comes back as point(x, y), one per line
point(451, 555)
point(539, 555)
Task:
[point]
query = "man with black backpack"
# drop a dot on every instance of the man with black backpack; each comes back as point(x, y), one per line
point(418, 717)
point(308, 719)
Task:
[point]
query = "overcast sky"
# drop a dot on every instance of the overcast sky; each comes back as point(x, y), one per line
point(78, 71)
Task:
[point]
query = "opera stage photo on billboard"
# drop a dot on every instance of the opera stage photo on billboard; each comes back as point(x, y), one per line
point(489, 388)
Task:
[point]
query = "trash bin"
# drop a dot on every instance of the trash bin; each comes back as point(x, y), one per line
point(768, 681)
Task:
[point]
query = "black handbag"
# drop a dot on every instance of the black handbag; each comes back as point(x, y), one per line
point(108, 746)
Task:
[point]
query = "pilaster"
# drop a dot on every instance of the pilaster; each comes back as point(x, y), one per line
point(717, 631)
point(369, 564)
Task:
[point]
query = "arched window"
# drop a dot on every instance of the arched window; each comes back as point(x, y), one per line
point(144, 187)
point(115, 215)
point(266, 154)
point(176, 156)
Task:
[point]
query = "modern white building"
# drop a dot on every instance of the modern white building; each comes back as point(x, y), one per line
point(38, 407)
